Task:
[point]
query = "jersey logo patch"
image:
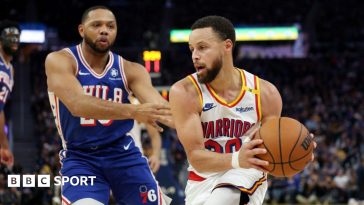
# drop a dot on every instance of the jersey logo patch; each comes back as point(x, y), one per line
point(126, 147)
point(208, 106)
point(244, 109)
point(114, 72)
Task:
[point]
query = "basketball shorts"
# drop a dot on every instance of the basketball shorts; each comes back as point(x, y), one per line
point(249, 181)
point(119, 168)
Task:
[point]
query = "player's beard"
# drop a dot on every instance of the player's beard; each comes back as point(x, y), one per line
point(9, 50)
point(211, 73)
point(7, 45)
point(94, 47)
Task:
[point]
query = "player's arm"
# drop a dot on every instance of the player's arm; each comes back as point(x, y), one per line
point(271, 100)
point(186, 110)
point(141, 85)
point(61, 79)
point(155, 138)
point(6, 156)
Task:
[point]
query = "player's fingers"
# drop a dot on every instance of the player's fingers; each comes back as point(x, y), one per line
point(250, 133)
point(312, 157)
point(162, 112)
point(258, 162)
point(257, 151)
point(253, 143)
point(161, 106)
point(156, 126)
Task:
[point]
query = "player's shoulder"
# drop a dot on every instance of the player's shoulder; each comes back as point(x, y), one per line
point(184, 87)
point(59, 55)
point(134, 70)
point(132, 65)
point(267, 87)
point(60, 59)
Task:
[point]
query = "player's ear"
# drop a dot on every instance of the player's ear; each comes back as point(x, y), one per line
point(228, 45)
point(81, 30)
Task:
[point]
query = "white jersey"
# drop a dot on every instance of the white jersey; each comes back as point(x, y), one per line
point(224, 125)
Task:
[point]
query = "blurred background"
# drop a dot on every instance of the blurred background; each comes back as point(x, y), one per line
point(312, 50)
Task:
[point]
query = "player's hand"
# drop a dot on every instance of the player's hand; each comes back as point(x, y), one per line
point(150, 113)
point(154, 163)
point(7, 157)
point(248, 151)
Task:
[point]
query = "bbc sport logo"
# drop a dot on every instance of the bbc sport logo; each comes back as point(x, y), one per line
point(44, 180)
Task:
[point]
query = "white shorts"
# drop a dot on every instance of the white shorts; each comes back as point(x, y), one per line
point(250, 181)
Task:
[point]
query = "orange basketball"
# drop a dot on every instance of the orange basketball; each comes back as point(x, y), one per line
point(288, 144)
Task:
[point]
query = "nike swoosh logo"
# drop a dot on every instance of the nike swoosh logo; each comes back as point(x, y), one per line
point(80, 73)
point(126, 147)
point(204, 109)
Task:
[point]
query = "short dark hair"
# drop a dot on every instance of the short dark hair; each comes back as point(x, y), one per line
point(7, 24)
point(85, 13)
point(221, 25)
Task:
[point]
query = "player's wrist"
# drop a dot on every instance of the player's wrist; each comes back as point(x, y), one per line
point(235, 160)
point(132, 111)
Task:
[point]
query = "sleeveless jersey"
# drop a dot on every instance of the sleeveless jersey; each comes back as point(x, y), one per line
point(6, 82)
point(224, 124)
point(111, 85)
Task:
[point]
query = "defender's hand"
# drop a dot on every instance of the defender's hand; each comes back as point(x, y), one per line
point(150, 113)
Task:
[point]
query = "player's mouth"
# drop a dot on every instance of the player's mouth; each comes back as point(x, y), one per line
point(200, 68)
point(14, 47)
point(103, 41)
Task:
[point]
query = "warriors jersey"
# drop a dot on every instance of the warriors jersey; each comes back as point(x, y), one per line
point(111, 85)
point(6, 82)
point(224, 124)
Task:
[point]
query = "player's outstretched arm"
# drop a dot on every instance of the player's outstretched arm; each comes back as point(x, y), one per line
point(61, 80)
point(141, 85)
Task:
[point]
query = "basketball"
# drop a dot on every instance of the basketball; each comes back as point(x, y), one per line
point(289, 146)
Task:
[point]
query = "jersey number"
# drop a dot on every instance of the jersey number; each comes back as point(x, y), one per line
point(231, 146)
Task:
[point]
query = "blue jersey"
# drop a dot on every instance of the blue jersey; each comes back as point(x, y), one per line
point(6, 82)
point(111, 85)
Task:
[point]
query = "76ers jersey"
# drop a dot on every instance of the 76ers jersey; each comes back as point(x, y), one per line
point(6, 82)
point(224, 124)
point(111, 85)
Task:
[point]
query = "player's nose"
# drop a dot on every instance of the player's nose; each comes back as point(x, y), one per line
point(104, 30)
point(195, 56)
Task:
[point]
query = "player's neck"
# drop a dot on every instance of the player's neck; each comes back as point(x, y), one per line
point(5, 57)
point(227, 79)
point(97, 61)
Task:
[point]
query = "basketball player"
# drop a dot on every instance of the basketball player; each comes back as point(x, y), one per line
point(213, 109)
point(9, 44)
point(88, 90)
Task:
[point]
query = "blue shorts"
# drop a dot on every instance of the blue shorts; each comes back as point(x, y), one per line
point(120, 168)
